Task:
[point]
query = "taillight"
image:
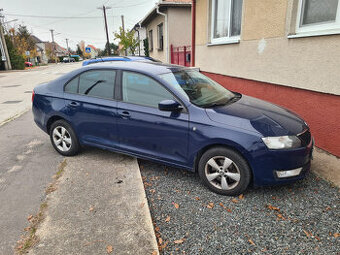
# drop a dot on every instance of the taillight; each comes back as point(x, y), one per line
point(32, 96)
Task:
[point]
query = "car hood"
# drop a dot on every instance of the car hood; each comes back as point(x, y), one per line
point(257, 115)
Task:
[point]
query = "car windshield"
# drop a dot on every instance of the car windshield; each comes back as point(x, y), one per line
point(200, 90)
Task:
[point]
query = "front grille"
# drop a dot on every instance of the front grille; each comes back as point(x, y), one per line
point(305, 137)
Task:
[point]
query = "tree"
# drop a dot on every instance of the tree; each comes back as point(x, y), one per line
point(17, 60)
point(23, 41)
point(79, 51)
point(127, 40)
point(146, 47)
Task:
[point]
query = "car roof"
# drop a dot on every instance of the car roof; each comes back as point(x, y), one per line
point(151, 68)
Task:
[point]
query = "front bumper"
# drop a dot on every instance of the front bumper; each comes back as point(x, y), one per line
point(268, 163)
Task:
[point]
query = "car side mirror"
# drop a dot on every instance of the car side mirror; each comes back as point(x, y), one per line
point(169, 106)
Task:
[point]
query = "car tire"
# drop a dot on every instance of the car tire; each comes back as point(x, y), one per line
point(224, 171)
point(63, 138)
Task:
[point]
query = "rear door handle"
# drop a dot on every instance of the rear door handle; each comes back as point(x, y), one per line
point(73, 104)
point(125, 114)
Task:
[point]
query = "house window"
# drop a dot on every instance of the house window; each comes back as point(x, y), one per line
point(316, 15)
point(226, 16)
point(150, 41)
point(160, 36)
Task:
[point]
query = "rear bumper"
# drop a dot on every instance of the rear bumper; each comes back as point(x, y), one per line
point(268, 163)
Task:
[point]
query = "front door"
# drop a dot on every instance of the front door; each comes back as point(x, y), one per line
point(144, 129)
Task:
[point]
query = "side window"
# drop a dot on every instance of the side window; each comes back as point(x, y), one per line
point(72, 86)
point(98, 83)
point(143, 90)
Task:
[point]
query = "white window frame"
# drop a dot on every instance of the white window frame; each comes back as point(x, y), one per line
point(317, 28)
point(226, 39)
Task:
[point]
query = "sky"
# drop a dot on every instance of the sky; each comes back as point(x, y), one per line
point(83, 20)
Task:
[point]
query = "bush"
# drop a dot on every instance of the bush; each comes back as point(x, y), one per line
point(17, 61)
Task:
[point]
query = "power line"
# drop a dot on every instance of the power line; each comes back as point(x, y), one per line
point(53, 17)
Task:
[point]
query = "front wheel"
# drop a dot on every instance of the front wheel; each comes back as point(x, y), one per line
point(63, 138)
point(224, 171)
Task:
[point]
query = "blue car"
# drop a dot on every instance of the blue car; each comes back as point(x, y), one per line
point(118, 58)
point(176, 116)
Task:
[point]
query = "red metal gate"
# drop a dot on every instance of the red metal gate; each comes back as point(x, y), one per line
point(181, 55)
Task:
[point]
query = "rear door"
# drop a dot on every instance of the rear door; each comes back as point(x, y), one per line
point(91, 107)
point(143, 128)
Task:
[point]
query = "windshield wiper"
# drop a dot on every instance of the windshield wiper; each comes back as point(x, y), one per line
point(233, 99)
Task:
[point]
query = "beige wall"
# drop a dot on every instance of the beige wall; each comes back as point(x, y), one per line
point(179, 26)
point(266, 54)
point(155, 53)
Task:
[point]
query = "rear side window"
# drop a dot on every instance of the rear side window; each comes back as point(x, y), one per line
point(143, 90)
point(72, 86)
point(97, 83)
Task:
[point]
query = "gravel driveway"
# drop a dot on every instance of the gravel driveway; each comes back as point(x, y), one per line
point(300, 218)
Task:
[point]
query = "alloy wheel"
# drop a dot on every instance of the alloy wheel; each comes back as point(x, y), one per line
point(222, 173)
point(62, 138)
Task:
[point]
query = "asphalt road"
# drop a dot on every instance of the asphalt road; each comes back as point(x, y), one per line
point(16, 87)
point(28, 161)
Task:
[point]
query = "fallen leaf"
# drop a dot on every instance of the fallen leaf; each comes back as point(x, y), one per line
point(210, 205)
point(161, 247)
point(241, 196)
point(270, 207)
point(156, 229)
point(222, 205)
point(234, 200)
point(30, 217)
point(160, 240)
point(179, 241)
point(167, 219)
point(176, 205)
point(336, 235)
point(109, 249)
point(306, 232)
point(228, 210)
point(177, 190)
point(280, 216)
point(197, 198)
point(152, 190)
point(142, 205)
point(251, 242)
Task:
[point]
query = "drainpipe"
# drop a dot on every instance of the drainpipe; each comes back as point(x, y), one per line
point(193, 31)
point(167, 33)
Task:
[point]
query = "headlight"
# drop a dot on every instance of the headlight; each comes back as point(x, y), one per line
point(282, 142)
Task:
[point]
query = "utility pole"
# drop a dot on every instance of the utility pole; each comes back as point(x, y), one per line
point(104, 8)
point(53, 45)
point(123, 26)
point(69, 56)
point(3, 47)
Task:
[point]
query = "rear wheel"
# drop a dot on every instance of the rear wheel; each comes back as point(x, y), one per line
point(63, 138)
point(224, 171)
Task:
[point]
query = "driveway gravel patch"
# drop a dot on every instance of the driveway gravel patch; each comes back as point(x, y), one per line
point(299, 218)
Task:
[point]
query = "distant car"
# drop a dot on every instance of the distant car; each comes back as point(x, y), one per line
point(28, 64)
point(67, 60)
point(118, 58)
point(177, 116)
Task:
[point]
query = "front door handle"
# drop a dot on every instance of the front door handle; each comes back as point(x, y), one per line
point(125, 114)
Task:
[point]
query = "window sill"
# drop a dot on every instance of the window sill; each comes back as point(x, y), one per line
point(231, 41)
point(160, 49)
point(314, 33)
